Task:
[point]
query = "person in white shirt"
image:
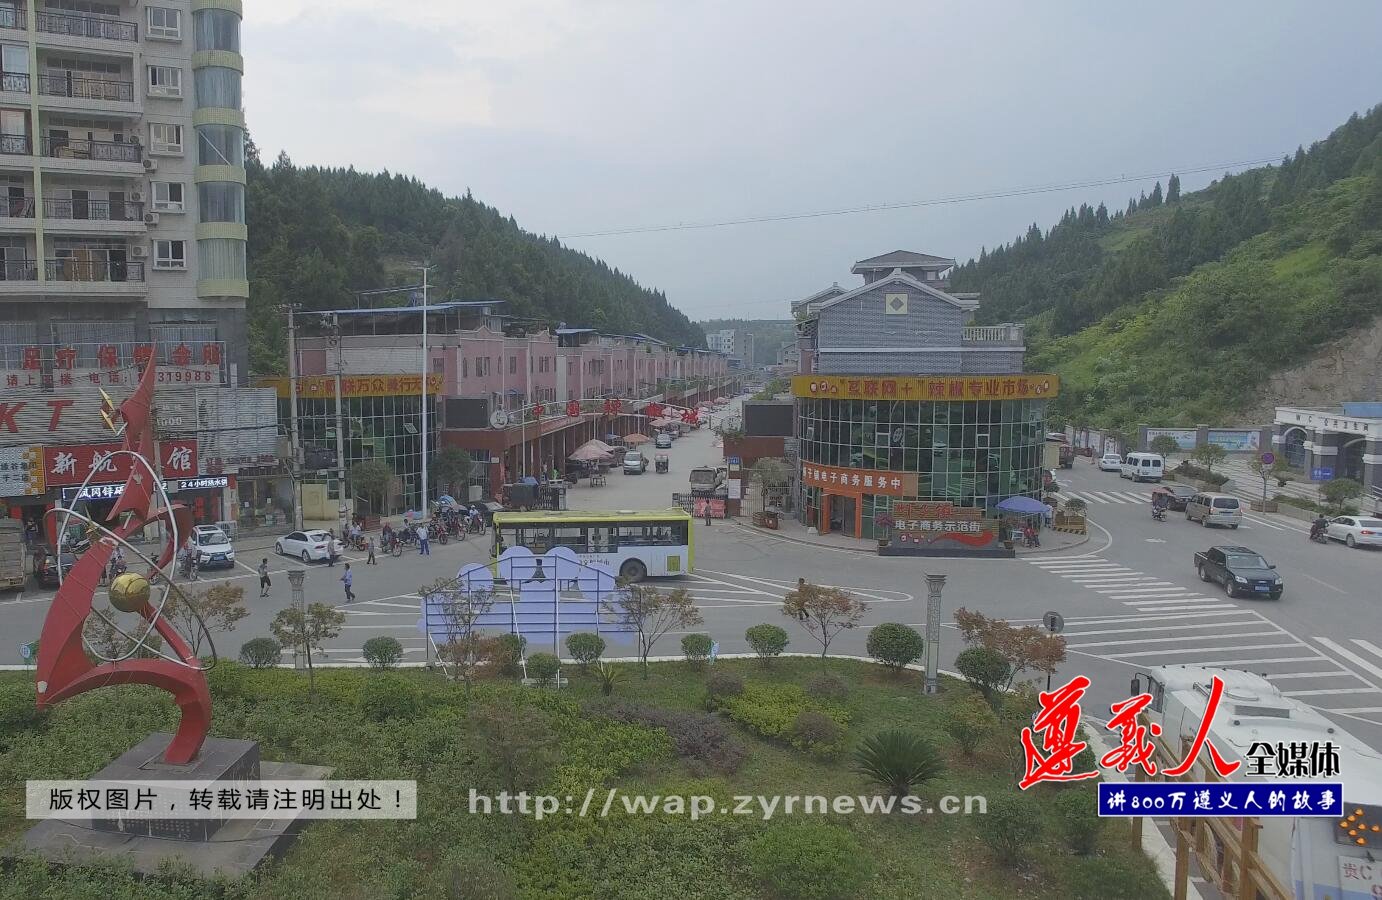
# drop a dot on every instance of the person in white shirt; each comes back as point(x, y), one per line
point(423, 548)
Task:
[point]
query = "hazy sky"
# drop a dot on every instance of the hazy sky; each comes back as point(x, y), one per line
point(599, 114)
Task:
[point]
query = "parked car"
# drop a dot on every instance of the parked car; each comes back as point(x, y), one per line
point(1214, 509)
point(1057, 436)
point(46, 566)
point(1142, 467)
point(1111, 462)
point(663, 441)
point(1176, 496)
point(1240, 571)
point(213, 548)
point(306, 545)
point(635, 463)
point(1355, 531)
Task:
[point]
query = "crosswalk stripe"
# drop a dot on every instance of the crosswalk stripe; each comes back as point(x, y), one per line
point(1368, 646)
point(1064, 563)
point(1159, 629)
point(1291, 676)
point(1169, 640)
point(1350, 655)
point(1320, 693)
point(1175, 600)
point(1226, 663)
point(1212, 650)
point(1112, 498)
point(1200, 613)
point(1090, 495)
point(1264, 523)
point(1102, 580)
point(1165, 609)
point(1146, 590)
point(1085, 569)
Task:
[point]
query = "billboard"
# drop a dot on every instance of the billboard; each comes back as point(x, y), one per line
point(1235, 441)
point(944, 525)
point(928, 387)
point(1185, 438)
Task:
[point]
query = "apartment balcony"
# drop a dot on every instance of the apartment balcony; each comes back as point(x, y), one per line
point(86, 28)
point(83, 157)
point(74, 92)
point(72, 277)
point(1007, 335)
point(14, 17)
point(15, 82)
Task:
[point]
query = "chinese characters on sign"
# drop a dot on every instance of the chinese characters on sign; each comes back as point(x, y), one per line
point(928, 387)
point(21, 471)
point(1220, 798)
point(319, 386)
point(49, 367)
point(927, 523)
point(835, 480)
point(70, 465)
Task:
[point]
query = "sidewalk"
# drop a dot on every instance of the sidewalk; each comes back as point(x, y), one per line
point(789, 529)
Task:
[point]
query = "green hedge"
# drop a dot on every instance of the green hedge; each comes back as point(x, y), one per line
point(772, 710)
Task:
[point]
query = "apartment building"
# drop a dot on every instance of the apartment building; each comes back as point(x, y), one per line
point(122, 209)
point(734, 343)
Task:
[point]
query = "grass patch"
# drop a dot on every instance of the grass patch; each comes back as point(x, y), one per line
point(449, 852)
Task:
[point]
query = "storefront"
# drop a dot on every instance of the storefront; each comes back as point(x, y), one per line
point(867, 442)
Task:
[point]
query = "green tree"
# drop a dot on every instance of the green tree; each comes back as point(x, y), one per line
point(895, 645)
point(369, 479)
point(772, 474)
point(452, 466)
point(1337, 493)
point(1208, 455)
point(823, 611)
point(767, 641)
point(307, 630)
point(1173, 189)
point(382, 652)
point(651, 613)
point(1155, 199)
point(1164, 445)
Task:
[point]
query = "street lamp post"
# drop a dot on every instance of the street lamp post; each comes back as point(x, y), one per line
point(295, 578)
point(426, 366)
point(934, 584)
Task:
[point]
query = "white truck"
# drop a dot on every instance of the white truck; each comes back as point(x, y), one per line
point(11, 554)
point(1307, 857)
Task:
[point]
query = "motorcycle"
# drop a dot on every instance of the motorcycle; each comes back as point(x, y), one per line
point(1317, 535)
point(442, 532)
point(1159, 513)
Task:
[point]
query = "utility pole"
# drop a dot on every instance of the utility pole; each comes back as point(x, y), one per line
point(426, 366)
point(340, 420)
point(294, 433)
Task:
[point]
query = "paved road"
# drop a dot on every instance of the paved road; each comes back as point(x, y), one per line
point(1130, 596)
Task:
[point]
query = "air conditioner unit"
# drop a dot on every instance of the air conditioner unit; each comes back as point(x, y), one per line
point(136, 197)
point(150, 165)
point(150, 218)
point(139, 252)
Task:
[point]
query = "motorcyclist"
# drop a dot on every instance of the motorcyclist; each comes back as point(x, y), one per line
point(1158, 506)
point(1317, 527)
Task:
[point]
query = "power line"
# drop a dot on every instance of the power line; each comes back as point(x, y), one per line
point(913, 204)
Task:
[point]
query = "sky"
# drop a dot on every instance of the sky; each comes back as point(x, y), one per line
point(578, 116)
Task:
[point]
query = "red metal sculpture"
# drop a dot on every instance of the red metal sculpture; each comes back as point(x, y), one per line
point(64, 669)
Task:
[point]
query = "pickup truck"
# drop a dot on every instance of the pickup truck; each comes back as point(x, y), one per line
point(1240, 571)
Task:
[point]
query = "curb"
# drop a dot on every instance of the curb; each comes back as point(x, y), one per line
point(1032, 552)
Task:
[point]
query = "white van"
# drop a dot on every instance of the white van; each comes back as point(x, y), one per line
point(1214, 509)
point(1143, 467)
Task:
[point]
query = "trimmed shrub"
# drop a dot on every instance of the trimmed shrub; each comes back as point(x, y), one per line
point(585, 648)
point(702, 740)
point(895, 645)
point(261, 653)
point(986, 670)
point(827, 687)
point(968, 719)
point(808, 861)
point(383, 652)
point(722, 684)
point(767, 641)
point(696, 648)
point(389, 697)
point(898, 761)
point(543, 668)
point(1077, 818)
point(1009, 828)
point(771, 710)
point(814, 730)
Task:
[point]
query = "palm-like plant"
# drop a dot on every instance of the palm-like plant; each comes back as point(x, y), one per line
point(898, 760)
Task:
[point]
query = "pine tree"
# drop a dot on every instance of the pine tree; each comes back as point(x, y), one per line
point(1155, 199)
point(1132, 206)
point(1101, 214)
point(1173, 189)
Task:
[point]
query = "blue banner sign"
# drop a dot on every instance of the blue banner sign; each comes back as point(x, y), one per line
point(1221, 798)
point(1322, 473)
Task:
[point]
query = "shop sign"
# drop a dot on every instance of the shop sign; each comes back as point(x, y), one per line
point(21, 471)
point(1235, 441)
point(312, 387)
point(930, 524)
point(71, 465)
point(857, 482)
point(205, 483)
point(1185, 438)
point(928, 387)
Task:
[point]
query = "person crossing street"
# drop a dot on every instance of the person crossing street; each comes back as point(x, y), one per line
point(423, 548)
point(264, 583)
point(347, 579)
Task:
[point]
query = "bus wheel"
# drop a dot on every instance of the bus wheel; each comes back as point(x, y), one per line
point(633, 570)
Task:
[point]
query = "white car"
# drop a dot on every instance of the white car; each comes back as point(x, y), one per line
point(1111, 462)
point(213, 548)
point(1355, 531)
point(305, 545)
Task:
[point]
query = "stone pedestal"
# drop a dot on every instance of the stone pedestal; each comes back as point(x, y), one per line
point(230, 847)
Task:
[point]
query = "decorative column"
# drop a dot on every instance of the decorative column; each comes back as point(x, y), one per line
point(295, 578)
point(934, 585)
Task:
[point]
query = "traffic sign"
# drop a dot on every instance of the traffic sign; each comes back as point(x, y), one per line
point(1268, 458)
point(28, 652)
point(1054, 622)
point(1322, 473)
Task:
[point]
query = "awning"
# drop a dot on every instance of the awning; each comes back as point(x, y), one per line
point(636, 438)
point(1025, 506)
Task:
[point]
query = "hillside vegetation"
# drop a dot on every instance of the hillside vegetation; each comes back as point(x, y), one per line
point(317, 235)
point(1177, 309)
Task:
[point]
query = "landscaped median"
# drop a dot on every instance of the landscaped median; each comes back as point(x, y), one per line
point(619, 774)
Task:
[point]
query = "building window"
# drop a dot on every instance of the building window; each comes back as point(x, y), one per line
point(165, 138)
point(513, 365)
point(170, 255)
point(165, 23)
point(217, 29)
point(168, 196)
point(221, 259)
point(217, 86)
point(165, 81)
point(220, 145)
point(221, 201)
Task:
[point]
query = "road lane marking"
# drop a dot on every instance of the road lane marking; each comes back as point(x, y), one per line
point(1339, 673)
point(1368, 646)
point(1356, 709)
point(1211, 650)
point(1322, 583)
point(1331, 691)
point(1128, 593)
point(1163, 609)
point(1158, 629)
point(1179, 600)
point(1172, 640)
point(1351, 656)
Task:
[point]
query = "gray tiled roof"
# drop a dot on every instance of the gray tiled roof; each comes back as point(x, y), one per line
point(906, 259)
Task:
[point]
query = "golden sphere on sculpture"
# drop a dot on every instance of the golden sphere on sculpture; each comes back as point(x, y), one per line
point(129, 592)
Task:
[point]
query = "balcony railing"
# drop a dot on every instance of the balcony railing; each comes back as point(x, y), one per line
point(15, 144)
point(94, 210)
point(13, 17)
point(83, 88)
point(15, 82)
point(87, 27)
point(101, 151)
point(16, 207)
point(19, 270)
point(92, 270)
point(1010, 334)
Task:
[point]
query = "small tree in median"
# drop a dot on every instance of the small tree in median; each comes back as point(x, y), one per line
point(1338, 492)
point(382, 652)
point(1164, 445)
point(697, 649)
point(369, 480)
point(772, 474)
point(585, 648)
point(455, 614)
point(650, 614)
point(1022, 648)
point(767, 641)
point(306, 631)
point(895, 646)
point(220, 607)
point(261, 653)
point(1208, 456)
point(986, 670)
point(823, 611)
point(450, 466)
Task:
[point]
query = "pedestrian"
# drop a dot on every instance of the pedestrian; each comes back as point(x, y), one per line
point(347, 580)
point(707, 513)
point(370, 547)
point(333, 548)
point(423, 548)
point(264, 583)
point(801, 594)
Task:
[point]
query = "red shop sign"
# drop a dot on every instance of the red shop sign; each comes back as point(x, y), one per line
point(66, 466)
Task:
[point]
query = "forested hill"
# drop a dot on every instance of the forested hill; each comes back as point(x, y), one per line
point(1176, 309)
point(316, 235)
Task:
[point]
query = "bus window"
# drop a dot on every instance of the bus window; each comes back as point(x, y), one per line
point(603, 538)
point(680, 533)
point(572, 536)
point(633, 536)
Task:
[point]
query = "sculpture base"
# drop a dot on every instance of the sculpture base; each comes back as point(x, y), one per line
point(231, 847)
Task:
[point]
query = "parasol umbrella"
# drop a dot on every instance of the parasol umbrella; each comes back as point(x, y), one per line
point(1024, 506)
point(590, 451)
point(636, 438)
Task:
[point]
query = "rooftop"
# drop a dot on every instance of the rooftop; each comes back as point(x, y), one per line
point(903, 259)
